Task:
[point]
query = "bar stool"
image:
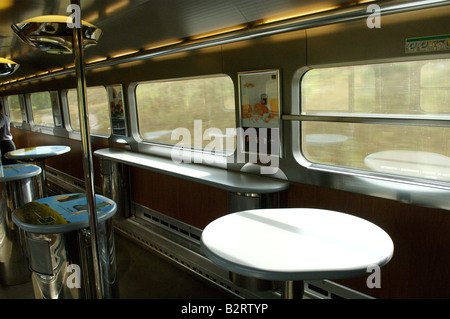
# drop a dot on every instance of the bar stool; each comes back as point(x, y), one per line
point(18, 186)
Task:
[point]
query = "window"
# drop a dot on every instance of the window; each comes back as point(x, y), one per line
point(15, 112)
point(349, 89)
point(389, 118)
point(164, 106)
point(41, 106)
point(99, 118)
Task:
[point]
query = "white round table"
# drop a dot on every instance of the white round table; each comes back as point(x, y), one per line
point(38, 154)
point(290, 244)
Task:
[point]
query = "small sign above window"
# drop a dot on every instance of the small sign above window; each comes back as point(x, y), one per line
point(428, 44)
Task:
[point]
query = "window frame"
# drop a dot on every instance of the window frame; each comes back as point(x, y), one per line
point(22, 106)
point(162, 148)
point(66, 112)
point(297, 118)
point(32, 120)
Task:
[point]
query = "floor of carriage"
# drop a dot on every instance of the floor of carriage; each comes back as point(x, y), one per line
point(142, 274)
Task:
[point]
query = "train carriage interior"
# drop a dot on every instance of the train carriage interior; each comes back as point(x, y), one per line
point(185, 113)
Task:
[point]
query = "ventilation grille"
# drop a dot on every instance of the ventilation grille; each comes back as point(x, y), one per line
point(181, 229)
point(185, 258)
point(60, 183)
point(325, 289)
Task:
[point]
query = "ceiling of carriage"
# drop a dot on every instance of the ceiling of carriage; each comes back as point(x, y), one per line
point(131, 25)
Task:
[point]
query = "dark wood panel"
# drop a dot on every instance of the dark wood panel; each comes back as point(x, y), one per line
point(184, 200)
point(420, 265)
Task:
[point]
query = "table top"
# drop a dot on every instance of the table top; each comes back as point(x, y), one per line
point(16, 172)
point(212, 176)
point(61, 213)
point(295, 244)
point(38, 152)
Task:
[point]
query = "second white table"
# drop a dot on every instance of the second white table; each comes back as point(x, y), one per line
point(295, 244)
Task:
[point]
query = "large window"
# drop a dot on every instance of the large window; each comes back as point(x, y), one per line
point(15, 111)
point(388, 117)
point(41, 106)
point(99, 118)
point(202, 108)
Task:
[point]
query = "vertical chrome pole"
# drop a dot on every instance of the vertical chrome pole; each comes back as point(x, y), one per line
point(87, 153)
point(41, 163)
point(292, 289)
point(287, 289)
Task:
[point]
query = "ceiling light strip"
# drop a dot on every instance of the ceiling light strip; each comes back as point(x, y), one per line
point(304, 22)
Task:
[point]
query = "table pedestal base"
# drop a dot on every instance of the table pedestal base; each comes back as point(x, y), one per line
point(292, 289)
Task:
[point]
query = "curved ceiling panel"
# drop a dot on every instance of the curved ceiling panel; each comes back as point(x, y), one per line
point(132, 25)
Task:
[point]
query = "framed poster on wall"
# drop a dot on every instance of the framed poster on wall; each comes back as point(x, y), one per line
point(259, 98)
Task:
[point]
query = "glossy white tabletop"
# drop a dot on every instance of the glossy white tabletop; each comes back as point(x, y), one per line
point(237, 182)
point(38, 152)
point(295, 244)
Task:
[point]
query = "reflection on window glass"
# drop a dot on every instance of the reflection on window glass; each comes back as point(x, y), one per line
point(164, 106)
point(417, 89)
point(435, 87)
point(41, 106)
point(15, 114)
point(99, 118)
point(349, 89)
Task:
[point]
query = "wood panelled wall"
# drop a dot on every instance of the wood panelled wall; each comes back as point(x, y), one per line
point(184, 200)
